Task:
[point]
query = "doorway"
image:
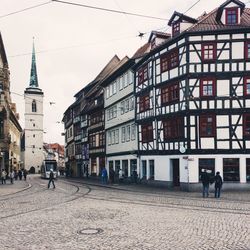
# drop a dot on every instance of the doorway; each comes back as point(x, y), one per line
point(176, 172)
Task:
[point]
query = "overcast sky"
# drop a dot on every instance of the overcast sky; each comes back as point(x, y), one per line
point(73, 44)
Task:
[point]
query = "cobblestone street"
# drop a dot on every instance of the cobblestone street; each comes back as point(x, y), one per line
point(84, 216)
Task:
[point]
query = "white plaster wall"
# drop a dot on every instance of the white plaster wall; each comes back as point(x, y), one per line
point(33, 155)
point(237, 50)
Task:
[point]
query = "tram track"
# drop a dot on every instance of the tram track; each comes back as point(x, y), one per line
point(74, 196)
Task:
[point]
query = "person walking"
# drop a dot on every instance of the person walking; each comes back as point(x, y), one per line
point(12, 176)
point(104, 176)
point(111, 175)
point(51, 178)
point(205, 183)
point(217, 185)
point(120, 174)
point(25, 174)
point(20, 174)
point(3, 176)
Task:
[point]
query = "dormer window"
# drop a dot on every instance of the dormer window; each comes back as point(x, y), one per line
point(231, 16)
point(176, 28)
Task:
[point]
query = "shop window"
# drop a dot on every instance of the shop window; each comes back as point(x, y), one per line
point(144, 169)
point(248, 169)
point(208, 165)
point(125, 167)
point(231, 169)
point(151, 169)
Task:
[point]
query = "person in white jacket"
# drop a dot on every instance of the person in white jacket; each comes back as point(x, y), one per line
point(3, 176)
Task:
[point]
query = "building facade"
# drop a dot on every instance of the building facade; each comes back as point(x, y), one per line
point(192, 96)
point(33, 134)
point(10, 129)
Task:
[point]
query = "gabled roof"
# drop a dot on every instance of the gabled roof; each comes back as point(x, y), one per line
point(159, 34)
point(2, 50)
point(209, 22)
point(182, 17)
point(220, 9)
point(95, 84)
point(142, 51)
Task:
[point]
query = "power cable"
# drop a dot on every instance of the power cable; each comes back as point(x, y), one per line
point(28, 8)
point(191, 6)
point(109, 10)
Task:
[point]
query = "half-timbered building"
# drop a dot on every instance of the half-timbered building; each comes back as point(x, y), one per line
point(193, 99)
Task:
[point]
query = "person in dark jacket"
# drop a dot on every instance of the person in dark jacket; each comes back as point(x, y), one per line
point(217, 185)
point(51, 178)
point(205, 183)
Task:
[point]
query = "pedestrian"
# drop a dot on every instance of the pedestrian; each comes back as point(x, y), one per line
point(51, 178)
point(135, 176)
point(217, 185)
point(12, 176)
point(20, 174)
point(112, 175)
point(104, 176)
point(120, 174)
point(205, 183)
point(25, 174)
point(3, 176)
point(15, 174)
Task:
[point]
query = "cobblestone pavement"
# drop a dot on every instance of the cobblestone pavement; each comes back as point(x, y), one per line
point(81, 216)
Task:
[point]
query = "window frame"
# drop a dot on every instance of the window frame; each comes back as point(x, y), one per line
point(173, 129)
point(247, 50)
point(203, 49)
point(202, 80)
point(201, 121)
point(245, 133)
point(245, 79)
point(167, 60)
point(142, 74)
point(147, 133)
point(227, 10)
point(168, 94)
point(144, 103)
point(175, 28)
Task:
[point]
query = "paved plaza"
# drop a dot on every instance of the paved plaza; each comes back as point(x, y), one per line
point(79, 215)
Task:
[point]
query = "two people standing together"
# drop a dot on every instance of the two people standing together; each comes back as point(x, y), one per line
point(207, 180)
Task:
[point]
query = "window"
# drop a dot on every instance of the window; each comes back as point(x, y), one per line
point(144, 169)
point(144, 103)
point(123, 134)
point(117, 136)
point(126, 105)
point(246, 85)
point(128, 133)
point(164, 63)
point(122, 107)
point(173, 128)
point(131, 103)
point(246, 125)
point(147, 133)
point(170, 94)
point(206, 164)
point(231, 16)
point(169, 60)
point(151, 169)
point(207, 87)
point(207, 125)
point(208, 51)
point(143, 75)
point(231, 170)
point(133, 132)
point(247, 50)
point(175, 29)
point(113, 137)
point(1, 128)
point(109, 138)
point(248, 169)
point(33, 106)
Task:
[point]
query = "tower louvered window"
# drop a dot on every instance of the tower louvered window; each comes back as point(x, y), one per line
point(33, 106)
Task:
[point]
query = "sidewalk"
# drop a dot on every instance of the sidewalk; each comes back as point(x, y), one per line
point(237, 195)
point(8, 188)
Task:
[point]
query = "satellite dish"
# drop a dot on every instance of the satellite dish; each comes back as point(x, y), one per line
point(182, 149)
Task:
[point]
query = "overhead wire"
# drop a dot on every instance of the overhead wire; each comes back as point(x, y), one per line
point(25, 9)
point(109, 10)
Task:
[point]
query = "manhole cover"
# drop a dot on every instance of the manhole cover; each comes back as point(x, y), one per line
point(90, 231)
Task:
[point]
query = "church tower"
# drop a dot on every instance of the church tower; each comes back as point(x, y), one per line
point(33, 96)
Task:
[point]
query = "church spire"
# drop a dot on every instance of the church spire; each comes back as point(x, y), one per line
point(33, 72)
